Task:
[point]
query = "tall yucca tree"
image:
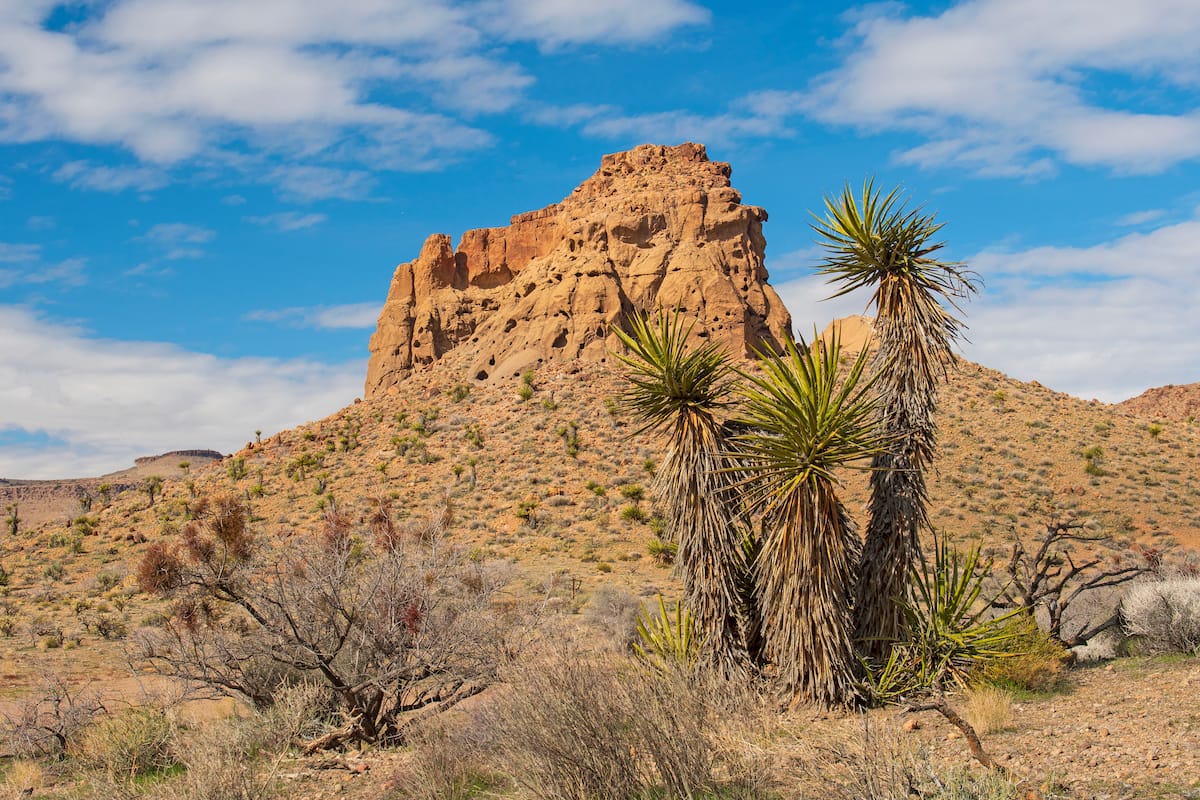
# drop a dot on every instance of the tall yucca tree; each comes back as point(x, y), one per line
point(803, 423)
point(679, 390)
point(876, 242)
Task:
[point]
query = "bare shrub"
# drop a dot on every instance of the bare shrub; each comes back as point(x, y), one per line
point(47, 722)
point(393, 632)
point(1046, 579)
point(450, 759)
point(614, 612)
point(871, 761)
point(1164, 616)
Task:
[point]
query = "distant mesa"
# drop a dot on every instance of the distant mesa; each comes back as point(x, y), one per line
point(206, 455)
point(655, 226)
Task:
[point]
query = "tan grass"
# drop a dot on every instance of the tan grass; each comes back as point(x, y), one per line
point(989, 709)
point(23, 778)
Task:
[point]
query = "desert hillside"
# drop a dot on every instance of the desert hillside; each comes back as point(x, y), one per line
point(494, 412)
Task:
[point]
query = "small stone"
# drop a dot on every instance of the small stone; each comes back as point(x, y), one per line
point(911, 725)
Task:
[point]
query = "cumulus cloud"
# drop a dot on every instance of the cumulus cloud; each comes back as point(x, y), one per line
point(1093, 321)
point(101, 403)
point(322, 84)
point(1003, 86)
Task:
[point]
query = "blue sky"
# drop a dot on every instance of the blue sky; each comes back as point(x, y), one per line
point(201, 203)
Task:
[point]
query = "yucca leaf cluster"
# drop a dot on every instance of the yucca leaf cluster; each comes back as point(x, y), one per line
point(771, 562)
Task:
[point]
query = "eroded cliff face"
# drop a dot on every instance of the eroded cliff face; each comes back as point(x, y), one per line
point(655, 226)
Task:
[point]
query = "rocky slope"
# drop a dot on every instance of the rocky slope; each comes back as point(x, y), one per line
point(655, 226)
point(1180, 403)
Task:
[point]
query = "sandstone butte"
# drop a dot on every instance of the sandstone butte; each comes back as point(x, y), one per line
point(654, 227)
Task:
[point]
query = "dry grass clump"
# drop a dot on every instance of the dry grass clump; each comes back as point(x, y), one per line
point(238, 758)
point(577, 726)
point(129, 744)
point(22, 779)
point(989, 709)
point(1164, 616)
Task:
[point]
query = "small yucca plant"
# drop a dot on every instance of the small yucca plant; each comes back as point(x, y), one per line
point(667, 640)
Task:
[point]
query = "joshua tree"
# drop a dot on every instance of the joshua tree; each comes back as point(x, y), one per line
point(13, 520)
point(882, 245)
point(803, 424)
point(679, 391)
point(152, 485)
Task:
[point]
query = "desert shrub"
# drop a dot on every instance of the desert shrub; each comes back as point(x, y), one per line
point(135, 742)
point(1034, 660)
point(448, 761)
point(614, 611)
point(577, 728)
point(661, 551)
point(1163, 616)
point(634, 513)
point(47, 722)
point(393, 630)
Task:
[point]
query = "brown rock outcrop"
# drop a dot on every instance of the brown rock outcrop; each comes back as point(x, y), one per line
point(655, 226)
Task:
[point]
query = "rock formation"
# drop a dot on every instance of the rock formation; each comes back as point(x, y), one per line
point(655, 226)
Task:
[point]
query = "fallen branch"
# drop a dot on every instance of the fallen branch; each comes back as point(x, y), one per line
point(939, 704)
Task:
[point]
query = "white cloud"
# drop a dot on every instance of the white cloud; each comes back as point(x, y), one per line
point(555, 23)
point(1142, 217)
point(178, 240)
point(1106, 321)
point(288, 220)
point(104, 402)
point(307, 183)
point(353, 315)
point(323, 84)
point(28, 269)
point(83, 175)
point(1002, 86)
point(14, 253)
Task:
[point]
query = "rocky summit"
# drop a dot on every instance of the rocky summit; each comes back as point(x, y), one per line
point(654, 227)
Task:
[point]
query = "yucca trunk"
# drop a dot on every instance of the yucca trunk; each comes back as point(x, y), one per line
point(913, 357)
point(805, 573)
point(701, 513)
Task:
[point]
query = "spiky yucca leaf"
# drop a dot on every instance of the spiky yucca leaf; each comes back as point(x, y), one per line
point(670, 381)
point(805, 422)
point(668, 641)
point(953, 631)
point(677, 390)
